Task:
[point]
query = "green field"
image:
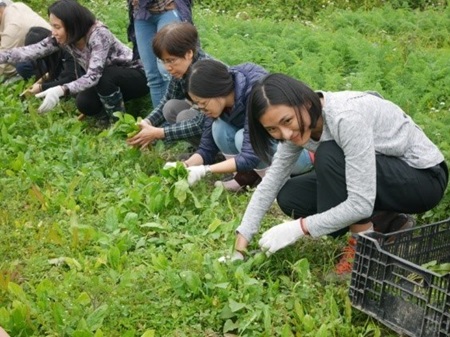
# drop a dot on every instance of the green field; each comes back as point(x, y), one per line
point(95, 240)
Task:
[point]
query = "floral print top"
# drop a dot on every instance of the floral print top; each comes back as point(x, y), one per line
point(102, 49)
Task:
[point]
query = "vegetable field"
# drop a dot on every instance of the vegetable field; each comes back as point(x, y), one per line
point(97, 240)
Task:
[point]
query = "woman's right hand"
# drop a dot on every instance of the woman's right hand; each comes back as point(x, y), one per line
point(35, 88)
point(239, 247)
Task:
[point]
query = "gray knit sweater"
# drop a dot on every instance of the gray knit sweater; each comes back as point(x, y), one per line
point(362, 125)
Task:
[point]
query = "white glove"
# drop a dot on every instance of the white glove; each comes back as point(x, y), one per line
point(280, 236)
point(51, 98)
point(196, 173)
point(236, 256)
point(169, 165)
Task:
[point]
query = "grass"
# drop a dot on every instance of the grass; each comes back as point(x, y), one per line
point(95, 240)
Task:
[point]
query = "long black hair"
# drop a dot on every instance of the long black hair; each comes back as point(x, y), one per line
point(278, 89)
point(77, 19)
point(50, 64)
point(210, 79)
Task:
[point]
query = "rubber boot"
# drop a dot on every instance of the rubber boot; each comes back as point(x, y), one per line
point(113, 103)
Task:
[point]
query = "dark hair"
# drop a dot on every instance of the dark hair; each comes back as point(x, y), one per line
point(36, 34)
point(48, 64)
point(278, 89)
point(176, 39)
point(76, 18)
point(209, 79)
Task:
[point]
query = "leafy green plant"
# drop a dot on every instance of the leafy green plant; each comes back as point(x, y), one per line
point(125, 126)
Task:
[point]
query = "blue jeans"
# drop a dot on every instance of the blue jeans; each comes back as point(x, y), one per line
point(229, 139)
point(157, 76)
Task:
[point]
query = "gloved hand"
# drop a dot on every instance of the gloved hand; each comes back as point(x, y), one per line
point(196, 173)
point(51, 98)
point(236, 256)
point(169, 165)
point(280, 236)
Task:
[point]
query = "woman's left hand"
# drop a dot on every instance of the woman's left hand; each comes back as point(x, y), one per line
point(280, 236)
point(51, 98)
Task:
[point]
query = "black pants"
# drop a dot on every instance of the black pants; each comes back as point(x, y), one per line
point(131, 82)
point(400, 188)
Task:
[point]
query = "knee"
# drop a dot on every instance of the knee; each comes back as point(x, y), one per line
point(87, 106)
point(328, 157)
point(25, 70)
point(285, 200)
point(170, 111)
point(239, 139)
point(220, 129)
point(187, 114)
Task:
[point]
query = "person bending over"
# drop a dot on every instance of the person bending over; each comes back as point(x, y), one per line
point(369, 156)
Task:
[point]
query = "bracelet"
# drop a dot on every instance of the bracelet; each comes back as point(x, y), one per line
point(303, 227)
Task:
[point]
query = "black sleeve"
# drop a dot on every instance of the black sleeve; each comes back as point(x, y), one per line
point(67, 74)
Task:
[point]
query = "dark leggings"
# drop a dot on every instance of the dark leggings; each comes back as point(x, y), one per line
point(131, 82)
point(400, 187)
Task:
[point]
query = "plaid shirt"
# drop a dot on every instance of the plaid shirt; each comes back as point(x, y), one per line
point(177, 90)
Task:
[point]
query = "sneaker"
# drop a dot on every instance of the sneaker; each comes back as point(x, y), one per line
point(343, 269)
point(381, 220)
point(241, 181)
point(229, 184)
point(401, 222)
point(388, 222)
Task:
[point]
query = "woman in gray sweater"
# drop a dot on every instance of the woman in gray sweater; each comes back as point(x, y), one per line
point(369, 156)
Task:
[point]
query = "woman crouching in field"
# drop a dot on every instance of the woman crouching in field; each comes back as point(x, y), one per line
point(369, 156)
point(221, 94)
point(111, 76)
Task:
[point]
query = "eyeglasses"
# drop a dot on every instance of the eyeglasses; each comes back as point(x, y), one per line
point(171, 61)
point(200, 106)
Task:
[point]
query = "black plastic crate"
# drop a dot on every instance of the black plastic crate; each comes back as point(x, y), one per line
point(389, 284)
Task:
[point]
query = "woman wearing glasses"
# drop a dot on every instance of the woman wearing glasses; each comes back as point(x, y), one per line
point(221, 93)
point(176, 45)
point(150, 16)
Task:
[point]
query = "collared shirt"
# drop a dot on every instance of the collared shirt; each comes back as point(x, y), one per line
point(177, 90)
